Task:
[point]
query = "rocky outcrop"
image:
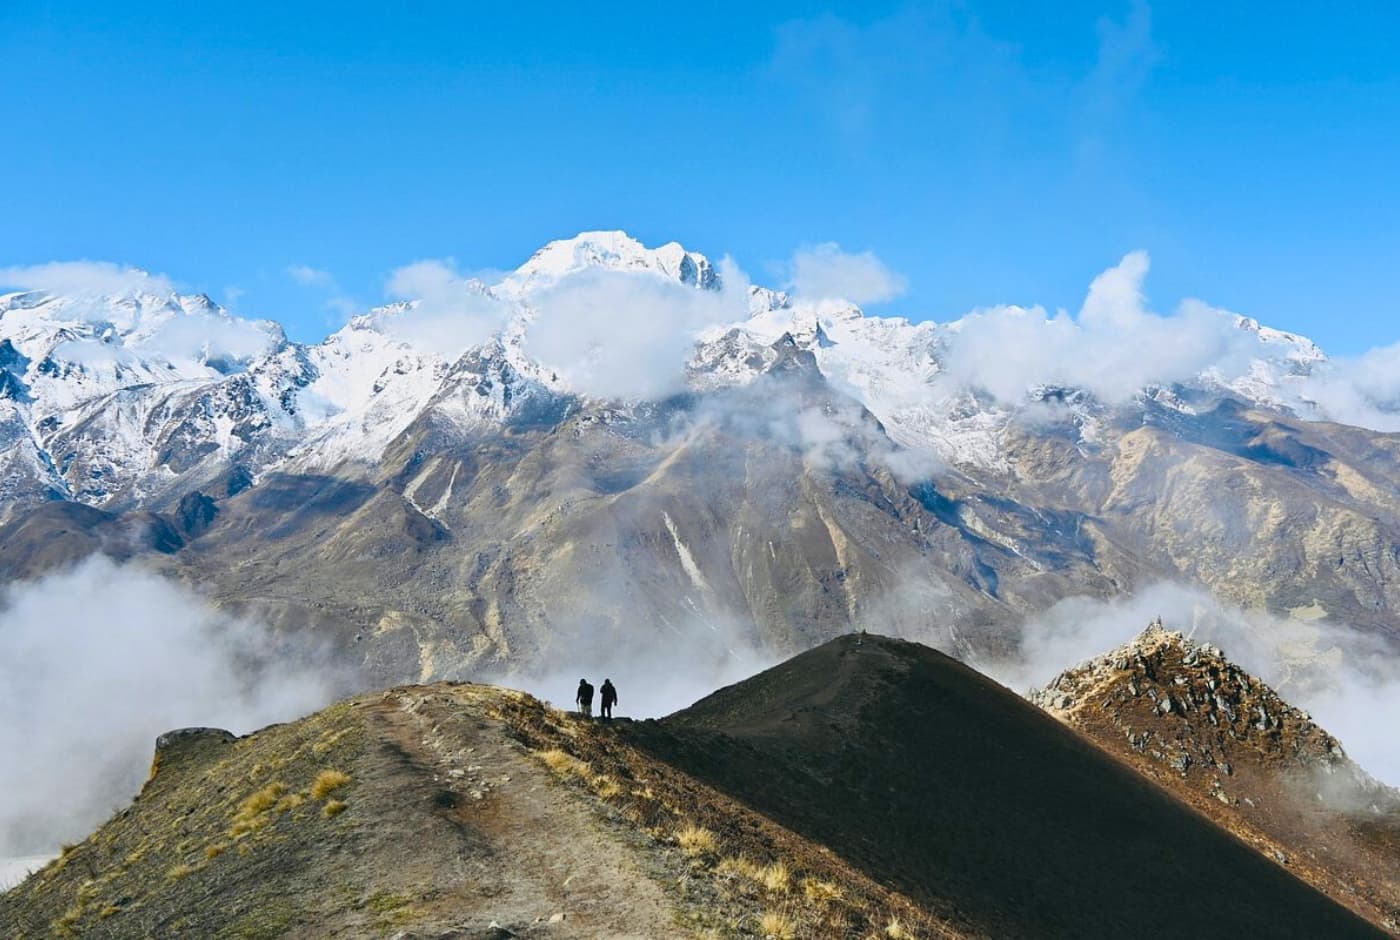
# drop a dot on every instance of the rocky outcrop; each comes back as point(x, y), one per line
point(1227, 743)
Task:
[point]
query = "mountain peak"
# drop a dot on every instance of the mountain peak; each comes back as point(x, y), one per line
point(615, 251)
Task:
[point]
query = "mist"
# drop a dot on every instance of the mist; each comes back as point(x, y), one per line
point(95, 663)
point(1347, 680)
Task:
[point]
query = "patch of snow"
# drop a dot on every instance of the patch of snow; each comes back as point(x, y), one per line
point(687, 559)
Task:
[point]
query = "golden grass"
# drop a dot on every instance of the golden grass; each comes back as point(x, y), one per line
point(895, 930)
point(262, 800)
point(327, 782)
point(605, 786)
point(329, 740)
point(215, 849)
point(182, 871)
point(252, 812)
point(696, 841)
point(821, 892)
point(334, 808)
point(776, 877)
point(289, 802)
point(65, 924)
point(741, 866)
point(777, 926)
point(563, 763)
point(108, 911)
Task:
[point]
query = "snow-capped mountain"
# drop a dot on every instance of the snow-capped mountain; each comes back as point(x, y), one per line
point(613, 434)
point(111, 400)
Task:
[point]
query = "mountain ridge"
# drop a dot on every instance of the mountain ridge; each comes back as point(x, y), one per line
point(467, 811)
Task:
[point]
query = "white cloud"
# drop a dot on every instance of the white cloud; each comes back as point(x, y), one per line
point(827, 272)
point(1362, 391)
point(98, 661)
point(311, 277)
point(1113, 349)
point(628, 334)
point(206, 335)
point(85, 278)
point(450, 312)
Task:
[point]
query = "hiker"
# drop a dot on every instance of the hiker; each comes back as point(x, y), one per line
point(609, 698)
point(585, 698)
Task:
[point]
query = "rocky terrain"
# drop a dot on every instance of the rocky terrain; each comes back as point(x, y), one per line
point(432, 512)
point(1227, 744)
point(828, 797)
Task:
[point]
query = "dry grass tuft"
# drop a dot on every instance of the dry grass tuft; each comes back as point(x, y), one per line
point(605, 786)
point(563, 763)
point(776, 877)
point(895, 930)
point(289, 802)
point(334, 808)
point(214, 850)
point(65, 924)
point(741, 866)
point(329, 740)
point(262, 800)
point(696, 841)
point(327, 782)
point(777, 926)
point(182, 871)
point(821, 892)
point(252, 812)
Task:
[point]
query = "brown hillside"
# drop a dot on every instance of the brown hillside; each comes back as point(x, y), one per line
point(946, 786)
point(445, 812)
point(1226, 743)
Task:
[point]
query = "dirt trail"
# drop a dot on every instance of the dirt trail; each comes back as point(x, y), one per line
point(540, 862)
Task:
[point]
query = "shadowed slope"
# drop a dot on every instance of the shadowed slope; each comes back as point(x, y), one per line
point(947, 786)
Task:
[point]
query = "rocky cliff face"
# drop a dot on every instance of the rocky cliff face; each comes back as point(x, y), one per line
point(1228, 744)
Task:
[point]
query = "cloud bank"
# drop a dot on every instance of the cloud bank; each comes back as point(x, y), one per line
point(1114, 348)
point(85, 279)
point(449, 313)
point(825, 272)
point(628, 334)
point(1362, 391)
point(95, 663)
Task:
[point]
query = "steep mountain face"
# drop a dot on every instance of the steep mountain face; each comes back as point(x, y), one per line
point(433, 507)
point(822, 799)
point(1226, 743)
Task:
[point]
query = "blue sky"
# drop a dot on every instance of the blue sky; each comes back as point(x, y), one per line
point(989, 152)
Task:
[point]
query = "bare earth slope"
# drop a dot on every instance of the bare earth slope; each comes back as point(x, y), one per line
point(1223, 741)
point(947, 786)
point(448, 826)
point(469, 812)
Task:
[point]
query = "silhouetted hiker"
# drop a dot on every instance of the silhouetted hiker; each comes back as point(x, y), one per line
point(585, 698)
point(609, 698)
